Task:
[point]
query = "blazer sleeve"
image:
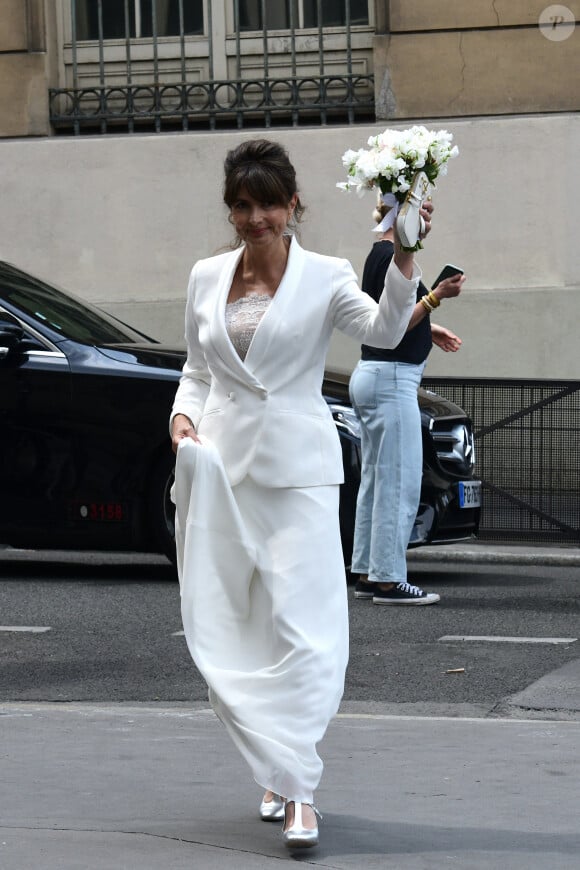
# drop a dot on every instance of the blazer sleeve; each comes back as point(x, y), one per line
point(195, 379)
point(381, 324)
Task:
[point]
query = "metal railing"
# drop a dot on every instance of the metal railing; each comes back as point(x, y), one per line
point(128, 72)
point(527, 455)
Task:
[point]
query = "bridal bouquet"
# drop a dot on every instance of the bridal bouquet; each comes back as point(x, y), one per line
point(400, 163)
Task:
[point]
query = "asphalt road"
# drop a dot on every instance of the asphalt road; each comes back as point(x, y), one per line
point(114, 626)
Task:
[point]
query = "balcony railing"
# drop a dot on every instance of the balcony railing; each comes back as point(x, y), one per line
point(125, 70)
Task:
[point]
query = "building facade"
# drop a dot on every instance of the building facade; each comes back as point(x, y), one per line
point(115, 116)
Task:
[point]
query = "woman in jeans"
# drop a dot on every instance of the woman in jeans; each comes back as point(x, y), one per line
point(383, 391)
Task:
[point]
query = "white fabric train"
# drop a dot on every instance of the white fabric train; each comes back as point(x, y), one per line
point(264, 614)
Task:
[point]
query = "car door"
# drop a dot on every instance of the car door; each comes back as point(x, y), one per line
point(35, 444)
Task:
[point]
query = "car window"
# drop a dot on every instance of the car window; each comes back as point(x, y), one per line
point(62, 312)
point(29, 340)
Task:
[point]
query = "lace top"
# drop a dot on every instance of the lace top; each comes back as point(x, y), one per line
point(243, 317)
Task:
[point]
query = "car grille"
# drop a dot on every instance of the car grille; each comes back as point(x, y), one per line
point(454, 445)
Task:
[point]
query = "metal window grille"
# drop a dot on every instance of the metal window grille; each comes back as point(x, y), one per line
point(159, 65)
point(527, 455)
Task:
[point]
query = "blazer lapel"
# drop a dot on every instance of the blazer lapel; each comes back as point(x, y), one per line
point(219, 336)
point(279, 310)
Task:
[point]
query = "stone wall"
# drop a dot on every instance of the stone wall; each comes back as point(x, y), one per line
point(23, 68)
point(443, 58)
point(120, 220)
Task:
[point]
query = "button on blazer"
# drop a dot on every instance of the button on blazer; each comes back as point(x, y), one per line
point(266, 414)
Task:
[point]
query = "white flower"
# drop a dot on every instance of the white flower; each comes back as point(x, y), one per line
point(388, 164)
point(394, 156)
point(349, 158)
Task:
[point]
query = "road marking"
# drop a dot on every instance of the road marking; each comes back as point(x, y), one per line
point(34, 629)
point(450, 638)
point(178, 634)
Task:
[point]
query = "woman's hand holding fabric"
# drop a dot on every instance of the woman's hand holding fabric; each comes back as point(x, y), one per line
point(182, 427)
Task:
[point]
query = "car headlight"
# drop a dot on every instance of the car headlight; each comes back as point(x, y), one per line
point(454, 444)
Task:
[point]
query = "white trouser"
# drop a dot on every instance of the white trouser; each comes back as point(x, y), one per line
point(264, 611)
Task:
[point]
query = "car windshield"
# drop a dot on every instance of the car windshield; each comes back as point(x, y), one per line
point(61, 312)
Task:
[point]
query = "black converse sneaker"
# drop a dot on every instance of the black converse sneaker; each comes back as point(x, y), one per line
point(364, 589)
point(404, 593)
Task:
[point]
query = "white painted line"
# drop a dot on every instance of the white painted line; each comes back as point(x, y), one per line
point(451, 638)
point(34, 629)
point(178, 634)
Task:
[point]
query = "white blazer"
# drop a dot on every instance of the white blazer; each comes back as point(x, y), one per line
point(266, 415)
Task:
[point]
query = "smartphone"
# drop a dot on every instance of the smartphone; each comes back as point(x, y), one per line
point(448, 271)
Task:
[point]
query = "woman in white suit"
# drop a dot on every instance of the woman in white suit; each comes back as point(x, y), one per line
point(257, 478)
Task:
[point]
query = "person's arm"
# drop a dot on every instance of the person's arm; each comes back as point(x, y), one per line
point(381, 324)
point(445, 339)
point(447, 289)
point(385, 324)
point(195, 379)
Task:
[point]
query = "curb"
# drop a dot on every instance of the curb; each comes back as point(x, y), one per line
point(489, 555)
point(472, 553)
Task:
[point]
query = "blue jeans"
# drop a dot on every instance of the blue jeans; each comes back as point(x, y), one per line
point(384, 397)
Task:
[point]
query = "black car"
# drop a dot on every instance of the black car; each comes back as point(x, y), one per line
point(85, 457)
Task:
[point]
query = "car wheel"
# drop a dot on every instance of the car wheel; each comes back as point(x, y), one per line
point(161, 508)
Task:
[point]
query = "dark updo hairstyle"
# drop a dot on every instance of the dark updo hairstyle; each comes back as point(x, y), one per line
point(263, 168)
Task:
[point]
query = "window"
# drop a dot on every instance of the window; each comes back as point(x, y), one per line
point(334, 13)
point(277, 15)
point(139, 21)
point(304, 13)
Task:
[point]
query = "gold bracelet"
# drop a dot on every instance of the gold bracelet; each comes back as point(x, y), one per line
point(426, 305)
point(435, 302)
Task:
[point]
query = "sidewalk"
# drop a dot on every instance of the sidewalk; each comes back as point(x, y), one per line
point(104, 787)
point(492, 552)
point(120, 787)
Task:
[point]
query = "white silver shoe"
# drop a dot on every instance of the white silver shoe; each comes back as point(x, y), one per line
point(272, 810)
point(410, 224)
point(296, 836)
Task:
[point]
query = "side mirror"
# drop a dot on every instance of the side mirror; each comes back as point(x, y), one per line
point(11, 334)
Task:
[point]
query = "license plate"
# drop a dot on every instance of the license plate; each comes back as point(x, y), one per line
point(469, 493)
